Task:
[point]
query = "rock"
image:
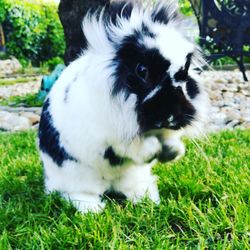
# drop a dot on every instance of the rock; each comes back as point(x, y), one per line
point(215, 109)
point(228, 94)
point(20, 89)
point(13, 122)
point(36, 110)
point(36, 126)
point(5, 92)
point(215, 96)
point(4, 115)
point(218, 103)
point(247, 117)
point(225, 109)
point(244, 85)
point(237, 100)
point(232, 115)
point(229, 102)
point(213, 128)
point(32, 117)
point(220, 80)
point(245, 103)
point(213, 87)
point(9, 66)
point(245, 92)
point(218, 118)
point(246, 125)
point(232, 88)
point(20, 123)
point(232, 124)
point(222, 86)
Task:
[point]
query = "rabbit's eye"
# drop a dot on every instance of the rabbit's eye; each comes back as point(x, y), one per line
point(141, 71)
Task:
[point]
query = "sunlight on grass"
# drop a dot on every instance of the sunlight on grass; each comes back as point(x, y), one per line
point(204, 203)
point(13, 81)
point(29, 100)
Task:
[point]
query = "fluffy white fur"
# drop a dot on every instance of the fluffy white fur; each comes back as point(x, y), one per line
point(91, 119)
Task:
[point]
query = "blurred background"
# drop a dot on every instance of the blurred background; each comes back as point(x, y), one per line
point(38, 38)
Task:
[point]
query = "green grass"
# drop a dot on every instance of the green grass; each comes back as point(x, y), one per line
point(29, 100)
point(205, 203)
point(30, 70)
point(13, 81)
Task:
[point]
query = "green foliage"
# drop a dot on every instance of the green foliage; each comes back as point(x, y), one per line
point(204, 202)
point(3, 55)
point(51, 63)
point(223, 61)
point(33, 30)
point(185, 7)
point(2, 11)
point(30, 70)
point(29, 100)
point(13, 81)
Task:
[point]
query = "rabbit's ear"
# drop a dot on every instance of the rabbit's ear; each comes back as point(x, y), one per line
point(188, 62)
point(108, 25)
point(182, 74)
point(95, 32)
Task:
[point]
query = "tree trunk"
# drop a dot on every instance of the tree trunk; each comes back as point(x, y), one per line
point(71, 13)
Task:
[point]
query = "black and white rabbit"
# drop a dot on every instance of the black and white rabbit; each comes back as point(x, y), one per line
point(125, 101)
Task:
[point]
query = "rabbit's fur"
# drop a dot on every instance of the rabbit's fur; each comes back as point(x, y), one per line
point(124, 102)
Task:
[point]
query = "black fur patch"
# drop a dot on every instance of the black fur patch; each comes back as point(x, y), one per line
point(167, 154)
point(160, 15)
point(116, 10)
point(182, 74)
point(146, 31)
point(170, 101)
point(49, 138)
point(111, 194)
point(192, 88)
point(112, 157)
point(66, 93)
point(131, 53)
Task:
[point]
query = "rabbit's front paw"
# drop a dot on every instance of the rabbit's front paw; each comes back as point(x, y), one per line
point(172, 149)
point(151, 148)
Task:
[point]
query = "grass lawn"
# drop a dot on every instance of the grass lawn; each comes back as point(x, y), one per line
point(29, 100)
point(205, 203)
point(13, 81)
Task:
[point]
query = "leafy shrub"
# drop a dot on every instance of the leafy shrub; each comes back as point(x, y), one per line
point(185, 7)
point(3, 55)
point(51, 63)
point(2, 11)
point(33, 30)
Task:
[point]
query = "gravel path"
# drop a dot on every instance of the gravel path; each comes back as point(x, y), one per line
point(20, 89)
point(230, 99)
point(229, 94)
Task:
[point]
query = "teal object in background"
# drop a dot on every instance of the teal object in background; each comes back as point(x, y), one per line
point(48, 81)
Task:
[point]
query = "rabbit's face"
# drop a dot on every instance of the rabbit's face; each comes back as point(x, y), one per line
point(160, 101)
point(155, 68)
point(153, 62)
